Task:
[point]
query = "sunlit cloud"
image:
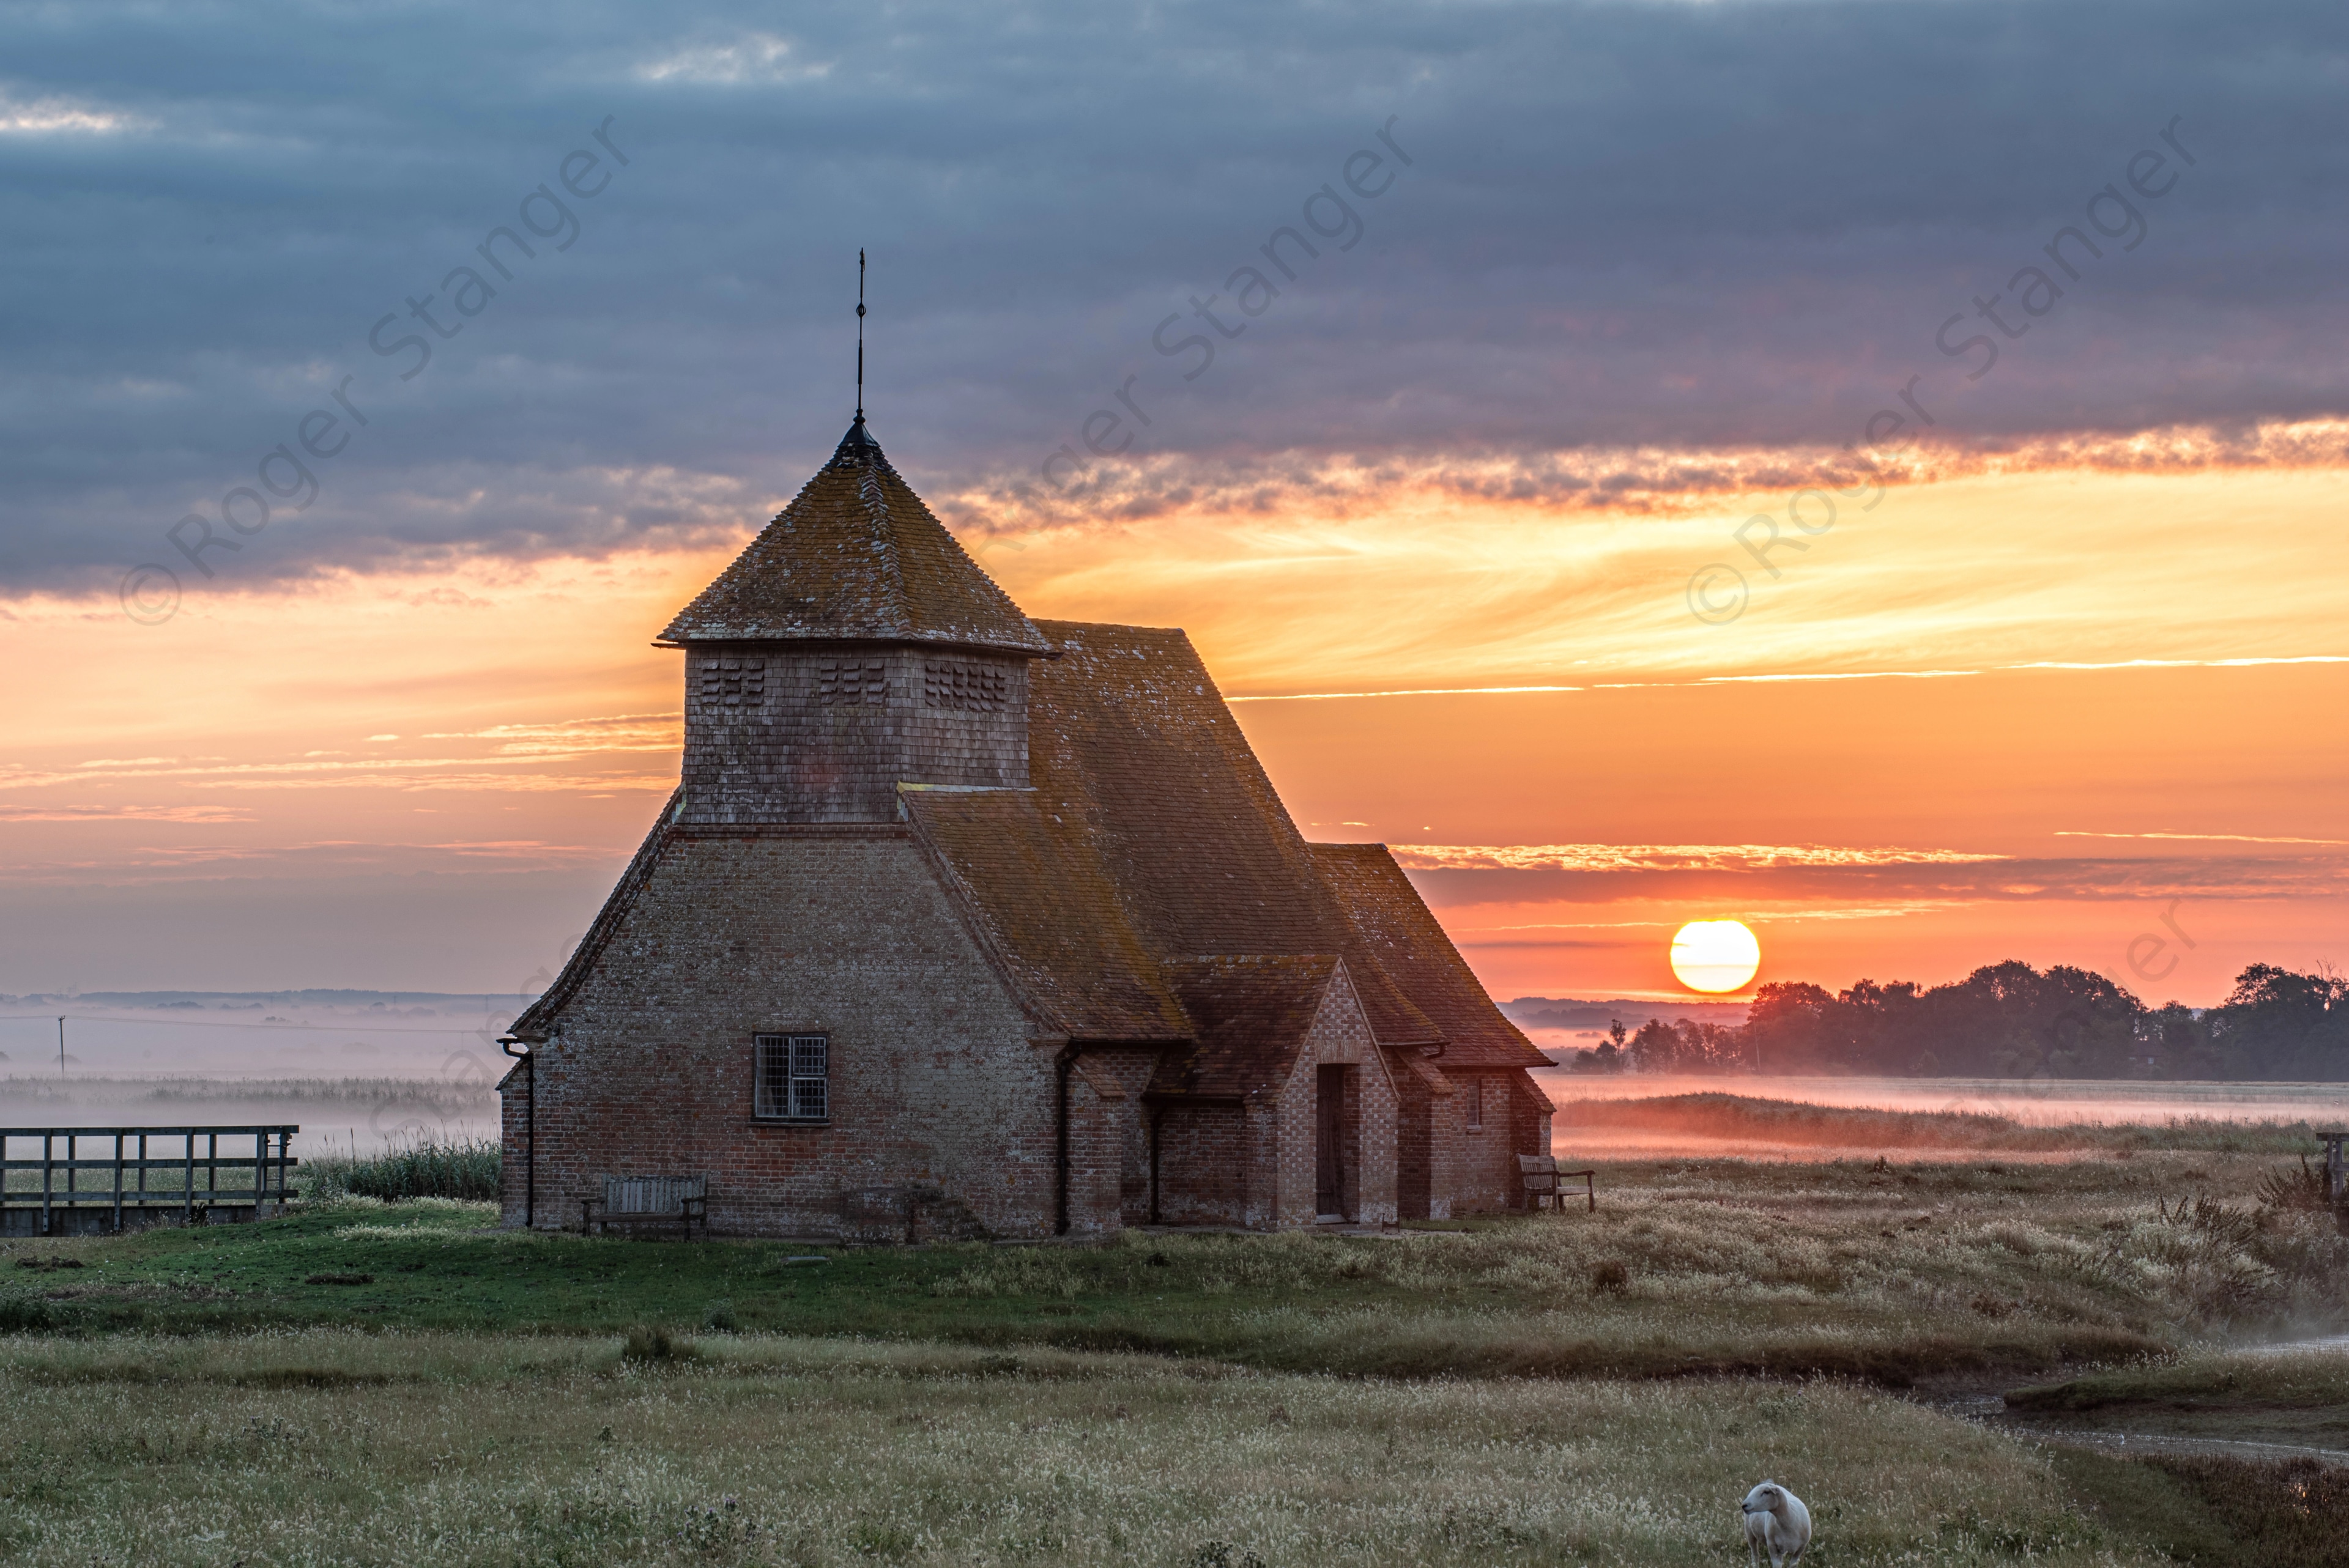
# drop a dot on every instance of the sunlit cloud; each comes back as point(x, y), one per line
point(55, 116)
point(2210, 838)
point(1666, 857)
point(201, 814)
point(1406, 691)
point(579, 737)
point(333, 857)
point(755, 58)
point(1626, 482)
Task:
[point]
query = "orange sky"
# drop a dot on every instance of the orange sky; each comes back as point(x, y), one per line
point(2000, 714)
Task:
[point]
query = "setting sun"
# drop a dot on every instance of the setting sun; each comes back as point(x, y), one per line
point(1715, 955)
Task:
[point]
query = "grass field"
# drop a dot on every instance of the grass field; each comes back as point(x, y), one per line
point(1891, 1274)
point(365, 1382)
point(320, 1446)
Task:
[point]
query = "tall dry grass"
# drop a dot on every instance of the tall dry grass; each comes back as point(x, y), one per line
point(325, 1447)
point(464, 1168)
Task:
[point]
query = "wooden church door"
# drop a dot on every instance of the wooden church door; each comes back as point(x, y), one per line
point(1328, 1139)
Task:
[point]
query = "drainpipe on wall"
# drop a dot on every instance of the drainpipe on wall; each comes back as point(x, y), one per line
point(1062, 1064)
point(530, 1136)
point(1157, 1115)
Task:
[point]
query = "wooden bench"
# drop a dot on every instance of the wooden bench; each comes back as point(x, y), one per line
point(629, 1199)
point(1543, 1178)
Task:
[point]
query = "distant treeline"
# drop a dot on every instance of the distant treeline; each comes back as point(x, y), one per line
point(2009, 1020)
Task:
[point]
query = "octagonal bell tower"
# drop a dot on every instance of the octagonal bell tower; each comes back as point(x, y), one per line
point(852, 648)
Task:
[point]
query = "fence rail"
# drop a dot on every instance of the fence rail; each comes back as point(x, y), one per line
point(126, 1167)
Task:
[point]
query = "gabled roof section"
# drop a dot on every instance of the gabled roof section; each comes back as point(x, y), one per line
point(1129, 741)
point(538, 1017)
point(1252, 1017)
point(857, 557)
point(1396, 926)
point(1045, 906)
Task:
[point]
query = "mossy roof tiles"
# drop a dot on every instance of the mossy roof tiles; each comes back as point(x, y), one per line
point(855, 557)
point(1404, 937)
point(1250, 1016)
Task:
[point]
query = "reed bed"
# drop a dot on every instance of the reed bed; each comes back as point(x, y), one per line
point(466, 1169)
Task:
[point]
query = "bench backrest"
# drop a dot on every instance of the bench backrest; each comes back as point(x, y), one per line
point(1536, 1164)
point(652, 1194)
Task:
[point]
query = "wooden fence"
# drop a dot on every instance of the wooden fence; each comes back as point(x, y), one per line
point(92, 1178)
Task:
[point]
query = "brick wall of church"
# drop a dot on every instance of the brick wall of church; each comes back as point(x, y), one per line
point(936, 1091)
point(1288, 1158)
point(1427, 1141)
point(1203, 1165)
point(776, 732)
point(1488, 1180)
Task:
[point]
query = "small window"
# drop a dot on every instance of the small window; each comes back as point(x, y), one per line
point(1475, 1105)
point(794, 1078)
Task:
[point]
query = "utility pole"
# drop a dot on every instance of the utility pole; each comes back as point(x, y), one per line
point(61, 1047)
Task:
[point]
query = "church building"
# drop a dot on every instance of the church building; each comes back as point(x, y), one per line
point(965, 924)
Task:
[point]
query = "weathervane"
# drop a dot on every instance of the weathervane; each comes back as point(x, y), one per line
point(859, 335)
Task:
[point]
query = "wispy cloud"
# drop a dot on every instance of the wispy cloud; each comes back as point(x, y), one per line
point(579, 737)
point(1667, 857)
point(2208, 838)
point(204, 814)
point(755, 58)
point(54, 115)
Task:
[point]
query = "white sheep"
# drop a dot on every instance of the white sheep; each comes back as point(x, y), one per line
point(1775, 1523)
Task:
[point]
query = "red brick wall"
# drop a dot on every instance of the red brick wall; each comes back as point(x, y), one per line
point(1488, 1179)
point(1203, 1165)
point(1427, 1140)
point(935, 1085)
point(1287, 1171)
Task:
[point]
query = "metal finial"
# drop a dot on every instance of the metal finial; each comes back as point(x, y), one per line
point(859, 335)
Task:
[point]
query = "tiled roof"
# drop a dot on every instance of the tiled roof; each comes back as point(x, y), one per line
point(1410, 946)
point(1129, 740)
point(1048, 910)
point(1251, 1015)
point(856, 555)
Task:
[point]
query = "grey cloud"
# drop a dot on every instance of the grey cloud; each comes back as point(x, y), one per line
point(1696, 227)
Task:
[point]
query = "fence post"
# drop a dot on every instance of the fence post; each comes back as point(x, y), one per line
point(188, 1193)
point(48, 1176)
point(117, 1180)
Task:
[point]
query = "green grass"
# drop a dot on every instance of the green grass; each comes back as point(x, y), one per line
point(2305, 1381)
point(366, 1382)
point(465, 1170)
point(1891, 1274)
point(2215, 1512)
point(321, 1446)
